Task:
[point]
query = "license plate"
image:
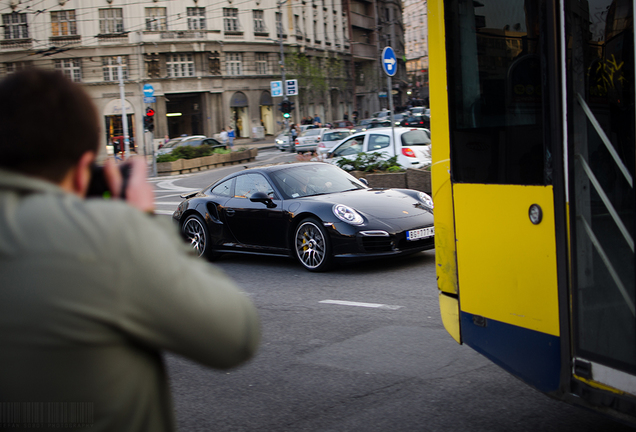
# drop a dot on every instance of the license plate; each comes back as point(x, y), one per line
point(420, 233)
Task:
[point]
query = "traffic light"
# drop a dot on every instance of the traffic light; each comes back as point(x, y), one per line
point(286, 107)
point(149, 119)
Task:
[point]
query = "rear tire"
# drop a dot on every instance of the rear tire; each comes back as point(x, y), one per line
point(312, 245)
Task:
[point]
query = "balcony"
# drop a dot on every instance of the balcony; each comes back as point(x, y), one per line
point(16, 43)
point(362, 21)
point(185, 34)
point(365, 51)
point(73, 40)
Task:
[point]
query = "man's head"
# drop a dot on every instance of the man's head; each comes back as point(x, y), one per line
point(47, 123)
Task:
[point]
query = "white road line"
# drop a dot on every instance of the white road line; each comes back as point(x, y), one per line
point(369, 305)
point(167, 184)
point(164, 212)
point(167, 203)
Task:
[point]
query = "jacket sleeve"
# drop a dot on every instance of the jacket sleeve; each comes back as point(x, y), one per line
point(172, 300)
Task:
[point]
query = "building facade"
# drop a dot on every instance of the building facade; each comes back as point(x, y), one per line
point(204, 64)
point(416, 41)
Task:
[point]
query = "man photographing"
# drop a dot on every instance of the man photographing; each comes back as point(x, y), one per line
point(93, 290)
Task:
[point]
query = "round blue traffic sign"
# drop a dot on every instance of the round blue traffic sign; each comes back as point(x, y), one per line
point(148, 90)
point(389, 61)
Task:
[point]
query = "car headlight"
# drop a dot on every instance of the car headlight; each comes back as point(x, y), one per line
point(426, 199)
point(347, 214)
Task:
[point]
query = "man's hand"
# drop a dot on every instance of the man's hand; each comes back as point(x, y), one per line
point(138, 191)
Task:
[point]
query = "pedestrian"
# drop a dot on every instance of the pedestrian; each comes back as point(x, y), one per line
point(293, 131)
point(346, 116)
point(93, 290)
point(317, 120)
point(223, 137)
point(230, 136)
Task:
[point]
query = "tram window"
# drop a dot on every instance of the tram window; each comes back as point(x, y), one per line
point(495, 93)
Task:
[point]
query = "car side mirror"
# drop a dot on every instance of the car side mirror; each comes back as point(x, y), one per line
point(262, 198)
point(363, 180)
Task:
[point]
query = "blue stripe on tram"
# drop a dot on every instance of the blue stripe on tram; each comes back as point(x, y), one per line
point(532, 356)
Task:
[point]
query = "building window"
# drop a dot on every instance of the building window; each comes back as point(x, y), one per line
point(230, 20)
point(234, 63)
point(279, 24)
point(299, 31)
point(17, 66)
point(63, 23)
point(196, 18)
point(111, 21)
point(326, 34)
point(261, 64)
point(180, 65)
point(214, 63)
point(156, 19)
point(259, 21)
point(110, 66)
point(71, 68)
point(15, 26)
point(316, 31)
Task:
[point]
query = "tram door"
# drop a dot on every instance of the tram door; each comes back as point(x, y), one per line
point(600, 104)
point(501, 172)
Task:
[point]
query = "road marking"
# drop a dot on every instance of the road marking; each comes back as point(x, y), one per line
point(167, 184)
point(369, 305)
point(164, 212)
point(167, 203)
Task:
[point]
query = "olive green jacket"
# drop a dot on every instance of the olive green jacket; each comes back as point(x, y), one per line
point(91, 292)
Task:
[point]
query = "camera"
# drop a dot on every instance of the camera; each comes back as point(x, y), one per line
point(98, 186)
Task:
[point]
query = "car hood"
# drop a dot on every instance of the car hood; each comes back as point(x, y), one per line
point(385, 204)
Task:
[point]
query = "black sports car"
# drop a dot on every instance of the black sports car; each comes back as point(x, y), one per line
point(314, 211)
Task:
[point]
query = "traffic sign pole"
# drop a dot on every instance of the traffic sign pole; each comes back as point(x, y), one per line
point(389, 64)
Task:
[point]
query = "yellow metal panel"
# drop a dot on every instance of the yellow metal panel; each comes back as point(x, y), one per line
point(507, 264)
point(449, 309)
point(440, 171)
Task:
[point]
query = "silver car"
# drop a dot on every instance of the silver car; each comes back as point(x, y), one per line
point(331, 138)
point(308, 140)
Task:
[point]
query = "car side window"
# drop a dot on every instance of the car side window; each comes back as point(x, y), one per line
point(223, 189)
point(350, 147)
point(248, 184)
point(378, 142)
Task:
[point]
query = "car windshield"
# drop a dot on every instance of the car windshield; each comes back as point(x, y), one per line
point(312, 132)
point(335, 136)
point(318, 178)
point(415, 137)
point(172, 143)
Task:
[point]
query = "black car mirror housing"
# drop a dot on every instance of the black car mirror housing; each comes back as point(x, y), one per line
point(262, 198)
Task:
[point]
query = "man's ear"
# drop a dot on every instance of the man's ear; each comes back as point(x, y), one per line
point(82, 173)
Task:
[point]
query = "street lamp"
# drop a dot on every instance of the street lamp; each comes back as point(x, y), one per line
point(282, 53)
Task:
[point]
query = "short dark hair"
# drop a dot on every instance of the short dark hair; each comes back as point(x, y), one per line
point(47, 122)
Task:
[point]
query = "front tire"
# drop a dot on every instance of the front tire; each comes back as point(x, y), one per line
point(312, 245)
point(196, 233)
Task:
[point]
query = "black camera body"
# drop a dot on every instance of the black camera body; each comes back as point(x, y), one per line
point(98, 186)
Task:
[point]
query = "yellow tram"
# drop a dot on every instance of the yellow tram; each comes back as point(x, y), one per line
point(532, 121)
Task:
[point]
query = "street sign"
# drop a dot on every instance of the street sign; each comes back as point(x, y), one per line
point(389, 61)
point(292, 87)
point(276, 88)
point(149, 90)
point(151, 99)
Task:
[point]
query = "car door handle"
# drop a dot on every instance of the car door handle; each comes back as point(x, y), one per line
point(230, 212)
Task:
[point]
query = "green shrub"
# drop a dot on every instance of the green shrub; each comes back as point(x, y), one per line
point(370, 162)
point(187, 152)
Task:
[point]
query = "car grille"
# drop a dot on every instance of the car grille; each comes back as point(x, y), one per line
point(377, 244)
point(387, 244)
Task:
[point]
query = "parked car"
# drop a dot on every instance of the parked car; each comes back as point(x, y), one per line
point(397, 118)
point(419, 121)
point(177, 142)
point(362, 125)
point(413, 146)
point(202, 141)
point(342, 124)
point(330, 139)
point(313, 211)
point(308, 140)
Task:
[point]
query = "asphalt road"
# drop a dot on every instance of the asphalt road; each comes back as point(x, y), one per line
point(360, 348)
